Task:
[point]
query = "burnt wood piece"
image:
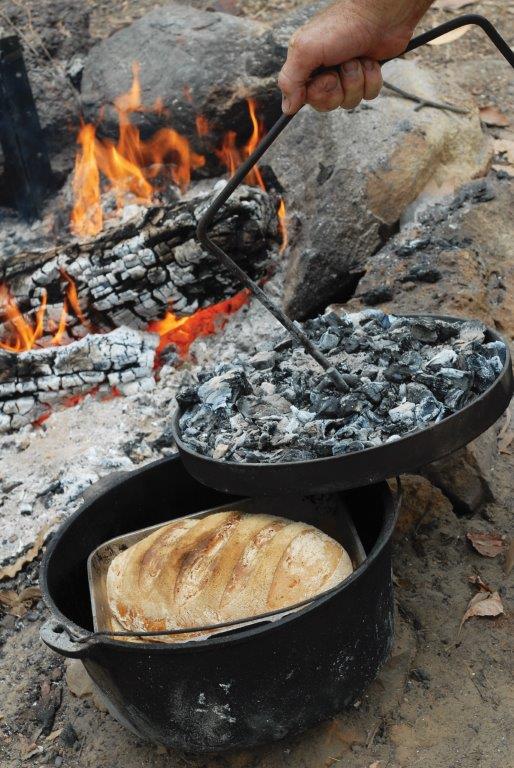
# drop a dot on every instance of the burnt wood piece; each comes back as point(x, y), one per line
point(131, 274)
point(35, 382)
point(28, 173)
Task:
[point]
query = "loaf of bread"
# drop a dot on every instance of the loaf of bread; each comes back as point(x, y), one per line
point(227, 566)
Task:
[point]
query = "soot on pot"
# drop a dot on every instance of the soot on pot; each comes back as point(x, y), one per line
point(400, 374)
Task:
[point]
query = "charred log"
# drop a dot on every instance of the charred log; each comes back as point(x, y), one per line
point(131, 274)
point(33, 383)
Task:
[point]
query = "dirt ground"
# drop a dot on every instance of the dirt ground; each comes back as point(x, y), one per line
point(445, 699)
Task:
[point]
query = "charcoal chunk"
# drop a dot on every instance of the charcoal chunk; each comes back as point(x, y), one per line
point(263, 361)
point(397, 375)
point(421, 273)
point(378, 295)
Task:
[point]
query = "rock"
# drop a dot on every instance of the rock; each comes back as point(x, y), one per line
point(466, 240)
point(77, 679)
point(421, 503)
point(81, 685)
point(462, 480)
point(69, 735)
point(195, 62)
point(351, 176)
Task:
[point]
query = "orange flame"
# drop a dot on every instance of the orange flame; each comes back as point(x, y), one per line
point(129, 165)
point(202, 126)
point(282, 225)
point(72, 296)
point(24, 334)
point(182, 331)
point(57, 338)
point(232, 155)
point(86, 216)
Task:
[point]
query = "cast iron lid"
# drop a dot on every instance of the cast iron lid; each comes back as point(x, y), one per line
point(353, 470)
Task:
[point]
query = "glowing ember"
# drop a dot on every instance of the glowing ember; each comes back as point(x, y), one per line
point(22, 334)
point(182, 331)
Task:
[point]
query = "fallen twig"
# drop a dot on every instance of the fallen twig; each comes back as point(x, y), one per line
point(422, 102)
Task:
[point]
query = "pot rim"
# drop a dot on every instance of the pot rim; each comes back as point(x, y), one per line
point(391, 506)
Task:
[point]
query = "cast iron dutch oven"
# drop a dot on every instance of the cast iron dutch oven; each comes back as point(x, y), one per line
point(239, 689)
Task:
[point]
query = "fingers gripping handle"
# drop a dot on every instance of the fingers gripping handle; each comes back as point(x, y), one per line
point(243, 170)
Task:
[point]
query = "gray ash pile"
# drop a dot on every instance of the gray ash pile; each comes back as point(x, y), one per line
point(400, 375)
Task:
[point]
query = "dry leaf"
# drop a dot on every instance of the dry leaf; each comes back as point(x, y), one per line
point(30, 593)
point(487, 544)
point(491, 115)
point(480, 583)
point(28, 748)
point(452, 5)
point(449, 37)
point(509, 559)
point(10, 571)
point(483, 604)
point(8, 597)
point(505, 147)
point(376, 764)
point(17, 604)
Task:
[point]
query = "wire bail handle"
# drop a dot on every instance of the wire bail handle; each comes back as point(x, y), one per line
point(239, 176)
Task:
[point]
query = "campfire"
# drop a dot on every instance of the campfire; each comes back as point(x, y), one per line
point(132, 260)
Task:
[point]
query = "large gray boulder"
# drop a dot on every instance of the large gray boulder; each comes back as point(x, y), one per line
point(195, 62)
point(350, 177)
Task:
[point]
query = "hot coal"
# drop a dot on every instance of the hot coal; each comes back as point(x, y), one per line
point(399, 375)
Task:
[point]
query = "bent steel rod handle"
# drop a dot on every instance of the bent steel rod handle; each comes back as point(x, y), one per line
point(203, 226)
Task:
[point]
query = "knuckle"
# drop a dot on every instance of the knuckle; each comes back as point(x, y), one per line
point(283, 80)
point(299, 41)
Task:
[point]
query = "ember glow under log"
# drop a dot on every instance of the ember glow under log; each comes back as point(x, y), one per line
point(400, 375)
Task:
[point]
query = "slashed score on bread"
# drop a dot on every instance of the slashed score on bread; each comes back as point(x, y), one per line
point(227, 566)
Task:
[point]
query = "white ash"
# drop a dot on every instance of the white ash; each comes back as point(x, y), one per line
point(400, 374)
point(44, 471)
point(33, 382)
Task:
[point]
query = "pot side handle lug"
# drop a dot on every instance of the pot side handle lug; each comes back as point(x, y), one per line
point(55, 635)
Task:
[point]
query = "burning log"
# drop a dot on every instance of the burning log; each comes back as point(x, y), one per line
point(132, 274)
point(32, 383)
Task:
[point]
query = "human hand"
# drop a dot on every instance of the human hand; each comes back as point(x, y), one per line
point(351, 36)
